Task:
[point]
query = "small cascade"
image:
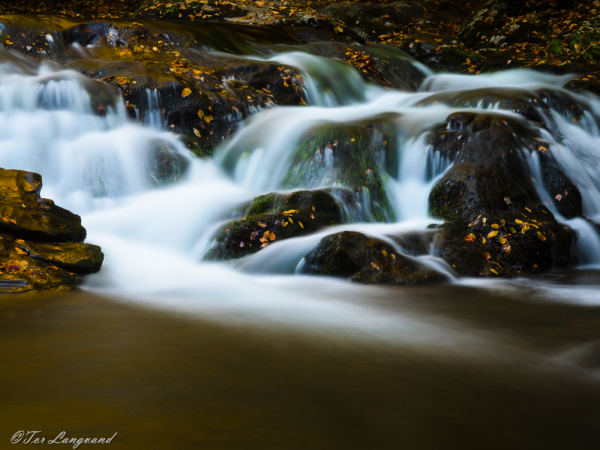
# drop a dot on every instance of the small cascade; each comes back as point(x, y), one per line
point(154, 231)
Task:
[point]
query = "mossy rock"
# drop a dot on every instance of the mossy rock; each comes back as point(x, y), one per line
point(274, 217)
point(366, 260)
point(25, 215)
point(351, 156)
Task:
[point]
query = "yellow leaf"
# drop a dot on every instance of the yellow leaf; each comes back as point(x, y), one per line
point(208, 119)
point(261, 224)
point(519, 221)
point(196, 132)
point(483, 240)
point(290, 219)
point(285, 224)
point(527, 209)
point(8, 42)
point(200, 113)
point(541, 236)
point(313, 208)
point(513, 231)
point(503, 240)
point(155, 49)
point(525, 228)
point(19, 251)
point(300, 223)
point(186, 92)
point(272, 236)
point(468, 61)
point(495, 225)
point(492, 234)
point(339, 29)
point(492, 270)
point(383, 252)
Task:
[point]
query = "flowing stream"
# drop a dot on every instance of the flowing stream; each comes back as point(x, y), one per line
point(154, 235)
point(250, 354)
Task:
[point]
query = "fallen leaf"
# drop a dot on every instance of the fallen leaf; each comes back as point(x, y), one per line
point(200, 113)
point(492, 234)
point(486, 255)
point(300, 223)
point(186, 92)
point(541, 236)
point(383, 252)
point(196, 132)
point(208, 119)
point(261, 224)
point(520, 222)
point(492, 270)
point(495, 225)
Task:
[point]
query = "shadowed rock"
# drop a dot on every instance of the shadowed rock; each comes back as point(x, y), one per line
point(366, 260)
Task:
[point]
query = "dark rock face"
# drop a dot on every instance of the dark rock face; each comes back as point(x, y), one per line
point(495, 142)
point(374, 18)
point(563, 192)
point(25, 214)
point(495, 222)
point(438, 52)
point(365, 260)
point(40, 243)
point(275, 217)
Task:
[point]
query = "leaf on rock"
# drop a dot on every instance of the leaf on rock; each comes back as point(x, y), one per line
point(541, 236)
point(186, 92)
point(196, 132)
point(492, 234)
point(261, 224)
point(200, 113)
point(208, 119)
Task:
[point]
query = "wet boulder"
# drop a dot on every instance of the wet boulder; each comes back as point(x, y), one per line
point(366, 260)
point(25, 214)
point(40, 243)
point(590, 82)
point(495, 223)
point(75, 257)
point(351, 156)
point(498, 143)
point(273, 217)
point(564, 193)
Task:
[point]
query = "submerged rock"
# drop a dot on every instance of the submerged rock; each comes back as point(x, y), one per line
point(495, 221)
point(366, 260)
point(274, 217)
point(40, 243)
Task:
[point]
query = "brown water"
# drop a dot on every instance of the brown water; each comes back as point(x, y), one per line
point(528, 377)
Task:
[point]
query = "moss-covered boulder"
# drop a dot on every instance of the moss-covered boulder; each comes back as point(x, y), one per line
point(495, 221)
point(25, 214)
point(273, 217)
point(350, 155)
point(366, 260)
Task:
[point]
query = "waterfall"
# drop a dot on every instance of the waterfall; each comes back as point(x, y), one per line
point(98, 164)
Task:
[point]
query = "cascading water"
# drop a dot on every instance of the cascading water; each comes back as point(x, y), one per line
point(97, 164)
